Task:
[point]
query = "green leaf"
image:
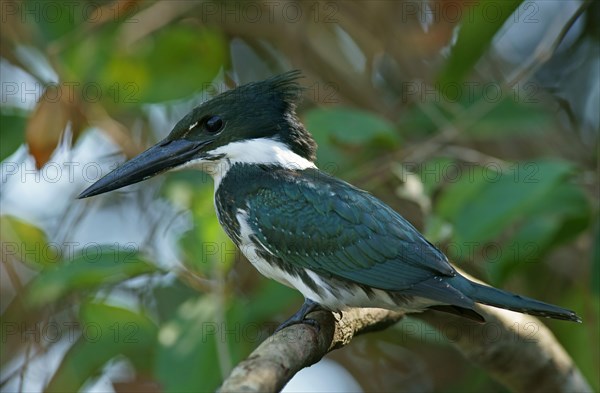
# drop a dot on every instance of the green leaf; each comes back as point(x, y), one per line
point(534, 205)
point(584, 345)
point(467, 186)
point(595, 279)
point(529, 244)
point(27, 243)
point(555, 219)
point(168, 296)
point(569, 202)
point(12, 134)
point(341, 131)
point(418, 123)
point(484, 214)
point(54, 19)
point(476, 32)
point(107, 331)
point(206, 246)
point(509, 117)
point(95, 266)
point(270, 299)
point(436, 229)
point(171, 63)
point(349, 125)
point(433, 173)
point(187, 354)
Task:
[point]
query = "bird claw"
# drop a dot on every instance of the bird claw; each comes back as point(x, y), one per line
point(299, 316)
point(307, 321)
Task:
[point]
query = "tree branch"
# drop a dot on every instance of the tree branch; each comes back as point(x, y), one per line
point(282, 355)
point(515, 349)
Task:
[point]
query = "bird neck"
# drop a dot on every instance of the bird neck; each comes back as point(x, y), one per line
point(259, 151)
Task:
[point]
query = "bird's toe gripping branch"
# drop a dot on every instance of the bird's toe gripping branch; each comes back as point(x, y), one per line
point(299, 317)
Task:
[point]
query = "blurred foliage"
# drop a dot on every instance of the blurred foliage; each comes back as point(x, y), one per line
point(341, 130)
point(117, 331)
point(93, 268)
point(500, 184)
point(474, 38)
point(17, 231)
point(12, 129)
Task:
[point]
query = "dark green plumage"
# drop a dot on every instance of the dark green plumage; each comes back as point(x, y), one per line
point(318, 222)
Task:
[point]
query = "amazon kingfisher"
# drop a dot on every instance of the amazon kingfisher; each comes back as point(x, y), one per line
point(336, 244)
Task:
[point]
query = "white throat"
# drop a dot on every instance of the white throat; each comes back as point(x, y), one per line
point(252, 151)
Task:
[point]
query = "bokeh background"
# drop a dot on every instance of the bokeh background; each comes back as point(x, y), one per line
point(477, 120)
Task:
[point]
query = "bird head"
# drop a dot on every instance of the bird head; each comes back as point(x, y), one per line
point(230, 127)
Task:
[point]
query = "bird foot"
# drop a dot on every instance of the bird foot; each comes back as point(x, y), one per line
point(299, 317)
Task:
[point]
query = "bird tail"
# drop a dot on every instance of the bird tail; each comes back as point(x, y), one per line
point(498, 298)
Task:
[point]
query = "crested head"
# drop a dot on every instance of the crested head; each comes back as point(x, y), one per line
point(254, 123)
point(257, 110)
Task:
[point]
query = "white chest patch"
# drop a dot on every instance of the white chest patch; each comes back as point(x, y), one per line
point(252, 151)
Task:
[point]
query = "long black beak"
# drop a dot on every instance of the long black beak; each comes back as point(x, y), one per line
point(157, 159)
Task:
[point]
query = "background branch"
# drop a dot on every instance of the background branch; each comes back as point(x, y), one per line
point(517, 350)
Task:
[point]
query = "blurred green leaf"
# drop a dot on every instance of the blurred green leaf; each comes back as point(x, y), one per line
point(495, 200)
point(436, 229)
point(187, 355)
point(528, 245)
point(595, 279)
point(169, 296)
point(107, 331)
point(416, 122)
point(169, 64)
point(334, 128)
point(55, 19)
point(27, 243)
point(350, 125)
point(475, 35)
point(94, 267)
point(582, 345)
point(270, 299)
point(535, 199)
point(468, 185)
point(206, 246)
point(509, 117)
point(569, 202)
point(12, 132)
point(433, 172)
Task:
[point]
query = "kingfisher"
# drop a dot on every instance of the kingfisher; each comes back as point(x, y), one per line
point(338, 245)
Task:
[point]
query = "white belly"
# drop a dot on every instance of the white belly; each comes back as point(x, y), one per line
point(344, 296)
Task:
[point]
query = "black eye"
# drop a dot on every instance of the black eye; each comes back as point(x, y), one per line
point(214, 124)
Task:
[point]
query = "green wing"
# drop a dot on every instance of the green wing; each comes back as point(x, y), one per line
point(322, 223)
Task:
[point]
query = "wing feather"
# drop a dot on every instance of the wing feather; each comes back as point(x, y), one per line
point(326, 225)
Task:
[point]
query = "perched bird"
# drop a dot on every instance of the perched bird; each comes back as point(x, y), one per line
point(338, 245)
